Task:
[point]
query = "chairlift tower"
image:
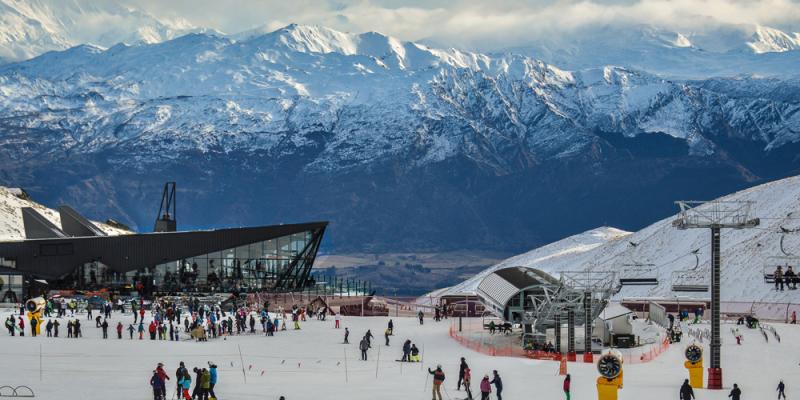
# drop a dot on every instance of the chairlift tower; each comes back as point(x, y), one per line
point(715, 215)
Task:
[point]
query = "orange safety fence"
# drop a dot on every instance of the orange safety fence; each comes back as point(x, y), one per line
point(508, 348)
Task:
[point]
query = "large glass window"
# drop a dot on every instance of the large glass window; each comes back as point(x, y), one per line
point(252, 266)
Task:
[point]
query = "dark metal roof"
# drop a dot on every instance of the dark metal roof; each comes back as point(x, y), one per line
point(75, 224)
point(54, 258)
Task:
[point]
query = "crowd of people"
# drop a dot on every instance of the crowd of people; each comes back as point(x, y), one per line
point(204, 382)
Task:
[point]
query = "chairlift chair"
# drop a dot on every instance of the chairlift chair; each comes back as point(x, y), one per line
point(785, 260)
point(638, 274)
point(694, 280)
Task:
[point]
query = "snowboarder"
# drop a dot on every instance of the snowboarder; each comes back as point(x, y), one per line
point(415, 353)
point(438, 379)
point(498, 385)
point(486, 388)
point(686, 392)
point(781, 388)
point(406, 351)
point(364, 346)
point(461, 369)
point(735, 393)
point(567, 381)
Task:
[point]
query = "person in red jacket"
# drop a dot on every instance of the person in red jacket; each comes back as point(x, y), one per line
point(164, 378)
point(438, 379)
point(566, 385)
point(21, 326)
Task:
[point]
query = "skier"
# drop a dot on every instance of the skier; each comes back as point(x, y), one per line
point(179, 374)
point(461, 369)
point(49, 328)
point(33, 327)
point(21, 326)
point(686, 392)
point(466, 381)
point(420, 314)
point(158, 386)
point(386, 335)
point(735, 393)
point(486, 388)
point(56, 324)
point(186, 383)
point(105, 328)
point(212, 369)
point(119, 330)
point(794, 317)
point(346, 334)
point(141, 330)
point(164, 378)
point(567, 381)
point(781, 388)
point(391, 327)
point(337, 319)
point(205, 384)
point(369, 337)
point(438, 379)
point(364, 346)
point(498, 385)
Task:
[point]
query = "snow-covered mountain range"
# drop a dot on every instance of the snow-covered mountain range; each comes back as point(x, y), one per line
point(399, 144)
point(29, 28)
point(746, 254)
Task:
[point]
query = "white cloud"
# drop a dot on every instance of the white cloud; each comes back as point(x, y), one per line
point(475, 23)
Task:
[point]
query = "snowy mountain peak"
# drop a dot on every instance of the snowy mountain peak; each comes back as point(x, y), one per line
point(771, 40)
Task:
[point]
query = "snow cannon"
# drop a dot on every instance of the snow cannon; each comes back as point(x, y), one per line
point(35, 306)
point(694, 363)
point(609, 365)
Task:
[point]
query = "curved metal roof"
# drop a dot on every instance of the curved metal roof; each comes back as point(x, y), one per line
point(500, 286)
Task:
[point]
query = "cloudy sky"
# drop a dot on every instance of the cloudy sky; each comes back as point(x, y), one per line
point(475, 23)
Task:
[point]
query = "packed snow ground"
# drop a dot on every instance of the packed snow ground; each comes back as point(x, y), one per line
point(310, 364)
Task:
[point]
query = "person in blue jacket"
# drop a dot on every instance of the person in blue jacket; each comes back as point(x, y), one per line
point(212, 368)
point(157, 383)
point(498, 385)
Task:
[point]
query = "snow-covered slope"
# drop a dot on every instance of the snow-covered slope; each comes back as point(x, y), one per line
point(745, 253)
point(11, 225)
point(29, 28)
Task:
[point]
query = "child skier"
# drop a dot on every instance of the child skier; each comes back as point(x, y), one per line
point(567, 381)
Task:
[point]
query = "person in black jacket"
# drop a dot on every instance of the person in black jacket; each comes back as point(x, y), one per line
point(686, 391)
point(498, 385)
point(781, 388)
point(461, 370)
point(735, 394)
